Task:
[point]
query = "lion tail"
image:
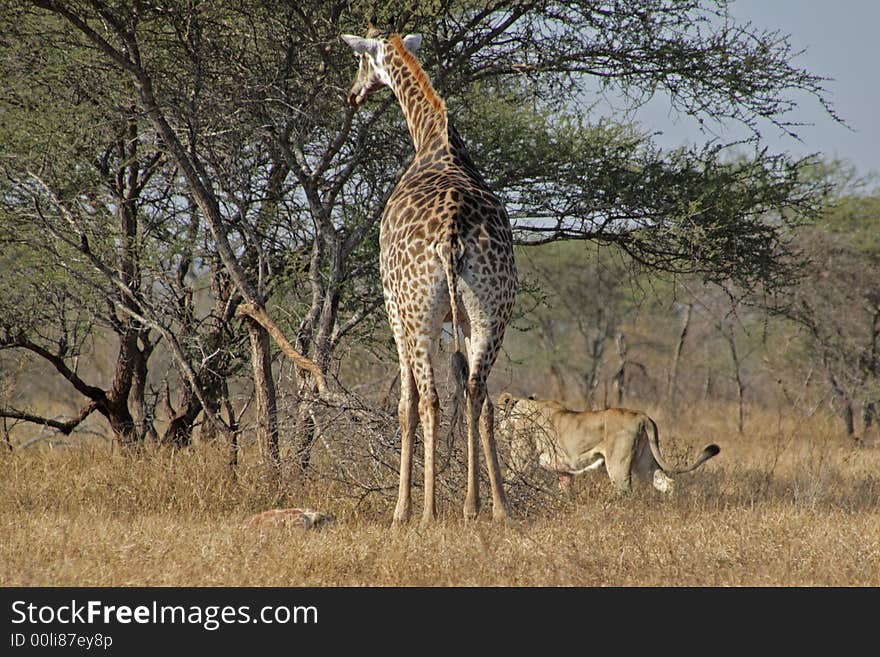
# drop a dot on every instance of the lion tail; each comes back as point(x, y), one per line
point(654, 442)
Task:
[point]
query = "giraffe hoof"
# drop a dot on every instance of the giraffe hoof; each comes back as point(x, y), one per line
point(501, 514)
point(471, 507)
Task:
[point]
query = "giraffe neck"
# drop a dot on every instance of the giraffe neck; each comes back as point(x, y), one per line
point(424, 110)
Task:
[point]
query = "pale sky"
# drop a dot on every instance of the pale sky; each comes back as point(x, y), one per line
point(842, 41)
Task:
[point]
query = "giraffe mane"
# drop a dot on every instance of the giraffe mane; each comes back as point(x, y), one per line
point(419, 74)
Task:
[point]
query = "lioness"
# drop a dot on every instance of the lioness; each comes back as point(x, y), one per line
point(571, 442)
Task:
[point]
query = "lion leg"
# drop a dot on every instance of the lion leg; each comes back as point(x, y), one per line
point(595, 465)
point(619, 464)
point(620, 474)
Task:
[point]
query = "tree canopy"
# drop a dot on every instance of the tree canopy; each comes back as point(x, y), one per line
point(183, 160)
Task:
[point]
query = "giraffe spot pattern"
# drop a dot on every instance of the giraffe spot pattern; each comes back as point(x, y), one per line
point(441, 222)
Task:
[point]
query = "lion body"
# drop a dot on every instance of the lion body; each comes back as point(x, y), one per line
point(568, 442)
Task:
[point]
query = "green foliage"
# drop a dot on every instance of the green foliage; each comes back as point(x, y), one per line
point(836, 304)
point(575, 301)
point(249, 83)
point(857, 217)
point(50, 95)
point(253, 96)
point(708, 211)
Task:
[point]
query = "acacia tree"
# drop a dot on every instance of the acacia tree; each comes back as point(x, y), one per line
point(45, 312)
point(96, 238)
point(245, 102)
point(586, 299)
point(837, 305)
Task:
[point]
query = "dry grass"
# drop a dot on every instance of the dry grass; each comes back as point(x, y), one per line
point(787, 504)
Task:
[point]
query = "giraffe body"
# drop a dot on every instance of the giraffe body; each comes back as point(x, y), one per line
point(446, 252)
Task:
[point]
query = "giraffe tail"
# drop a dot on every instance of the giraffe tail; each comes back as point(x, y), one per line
point(458, 363)
point(460, 370)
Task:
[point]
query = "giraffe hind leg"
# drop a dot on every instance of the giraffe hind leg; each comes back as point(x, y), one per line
point(429, 406)
point(472, 498)
point(500, 506)
point(408, 414)
point(481, 420)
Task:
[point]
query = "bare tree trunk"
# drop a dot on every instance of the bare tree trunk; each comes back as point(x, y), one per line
point(179, 430)
point(847, 413)
point(737, 375)
point(385, 399)
point(325, 315)
point(708, 380)
point(308, 433)
point(591, 377)
point(114, 403)
point(869, 415)
point(619, 380)
point(672, 376)
point(232, 421)
point(142, 417)
point(264, 391)
point(558, 380)
point(869, 412)
point(595, 351)
point(849, 418)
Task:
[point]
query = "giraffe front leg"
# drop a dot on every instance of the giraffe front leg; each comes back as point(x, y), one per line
point(408, 414)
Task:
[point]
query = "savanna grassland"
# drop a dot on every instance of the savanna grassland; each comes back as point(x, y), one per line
point(788, 503)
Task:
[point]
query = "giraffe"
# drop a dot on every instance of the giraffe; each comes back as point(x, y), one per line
point(445, 253)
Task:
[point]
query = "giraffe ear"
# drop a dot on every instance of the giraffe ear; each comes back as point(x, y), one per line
point(412, 42)
point(361, 45)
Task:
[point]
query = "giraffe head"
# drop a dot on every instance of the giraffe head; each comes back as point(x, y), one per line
point(372, 53)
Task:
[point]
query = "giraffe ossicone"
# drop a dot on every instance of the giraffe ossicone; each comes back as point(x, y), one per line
point(445, 252)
